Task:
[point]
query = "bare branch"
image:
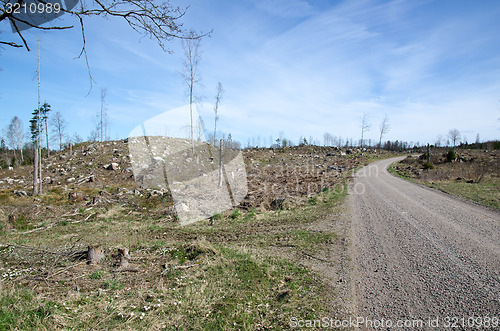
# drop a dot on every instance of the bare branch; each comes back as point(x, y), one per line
point(158, 20)
point(20, 34)
point(9, 43)
point(84, 52)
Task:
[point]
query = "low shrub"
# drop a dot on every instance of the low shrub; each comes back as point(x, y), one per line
point(428, 165)
point(451, 156)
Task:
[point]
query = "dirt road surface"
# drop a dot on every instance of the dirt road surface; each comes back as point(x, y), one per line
point(419, 254)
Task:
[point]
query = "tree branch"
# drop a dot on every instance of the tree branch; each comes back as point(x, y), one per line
point(157, 19)
point(10, 43)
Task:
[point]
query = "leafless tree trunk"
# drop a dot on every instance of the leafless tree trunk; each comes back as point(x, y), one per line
point(103, 115)
point(37, 169)
point(200, 127)
point(192, 56)
point(384, 128)
point(216, 109)
point(365, 127)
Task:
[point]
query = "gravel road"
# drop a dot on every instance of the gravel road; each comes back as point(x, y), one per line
point(419, 254)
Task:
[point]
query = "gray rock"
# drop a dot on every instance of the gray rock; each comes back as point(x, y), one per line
point(155, 193)
point(112, 166)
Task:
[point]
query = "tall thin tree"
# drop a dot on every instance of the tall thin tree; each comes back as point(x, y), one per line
point(103, 114)
point(218, 98)
point(37, 160)
point(365, 126)
point(384, 128)
point(192, 56)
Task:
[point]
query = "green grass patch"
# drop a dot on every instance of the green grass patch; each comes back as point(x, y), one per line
point(487, 193)
point(97, 274)
point(19, 310)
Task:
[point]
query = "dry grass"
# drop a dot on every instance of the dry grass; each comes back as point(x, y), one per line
point(225, 277)
point(475, 175)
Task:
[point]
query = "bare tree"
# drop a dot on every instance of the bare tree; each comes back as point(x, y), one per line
point(454, 136)
point(58, 125)
point(192, 57)
point(102, 117)
point(17, 125)
point(328, 139)
point(384, 128)
point(93, 136)
point(100, 132)
point(10, 136)
point(156, 19)
point(200, 128)
point(218, 97)
point(439, 140)
point(76, 139)
point(36, 132)
point(365, 127)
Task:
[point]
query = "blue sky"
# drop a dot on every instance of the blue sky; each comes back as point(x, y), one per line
point(298, 67)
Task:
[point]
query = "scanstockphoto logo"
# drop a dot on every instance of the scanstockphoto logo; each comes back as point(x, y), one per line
point(202, 180)
point(31, 13)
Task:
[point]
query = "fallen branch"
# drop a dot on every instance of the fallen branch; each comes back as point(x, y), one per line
point(126, 269)
point(34, 249)
point(64, 269)
point(39, 229)
point(164, 272)
point(314, 257)
point(89, 216)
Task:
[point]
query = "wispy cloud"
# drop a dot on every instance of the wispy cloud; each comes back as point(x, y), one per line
point(302, 67)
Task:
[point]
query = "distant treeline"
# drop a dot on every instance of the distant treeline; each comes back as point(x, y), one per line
point(493, 144)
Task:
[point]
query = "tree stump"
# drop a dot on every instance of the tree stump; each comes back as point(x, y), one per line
point(95, 254)
point(124, 257)
point(123, 261)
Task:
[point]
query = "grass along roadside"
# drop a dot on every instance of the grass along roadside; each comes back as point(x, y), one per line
point(485, 192)
point(231, 275)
